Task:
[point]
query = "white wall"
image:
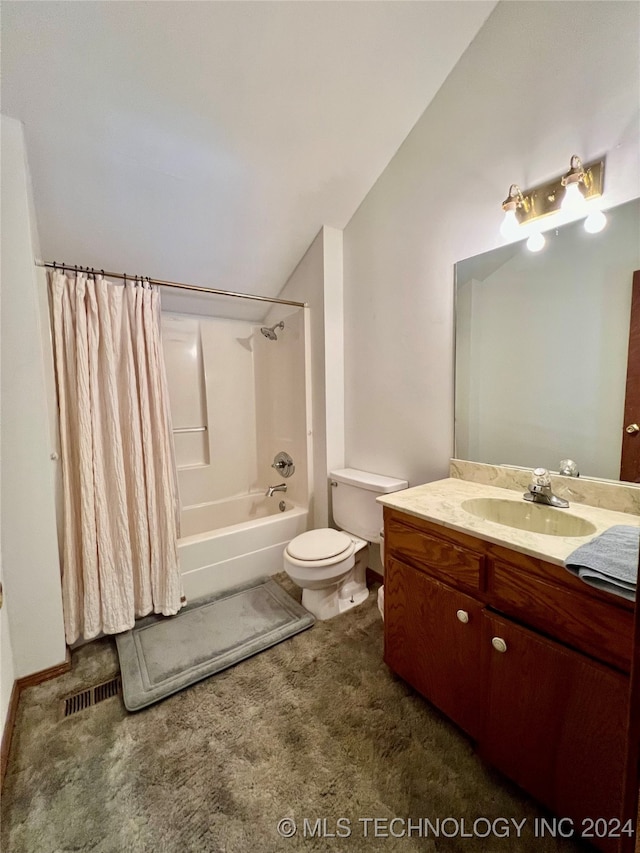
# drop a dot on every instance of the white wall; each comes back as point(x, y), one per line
point(30, 563)
point(334, 344)
point(7, 672)
point(7, 669)
point(318, 281)
point(540, 82)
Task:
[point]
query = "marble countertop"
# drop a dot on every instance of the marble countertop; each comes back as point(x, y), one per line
point(441, 503)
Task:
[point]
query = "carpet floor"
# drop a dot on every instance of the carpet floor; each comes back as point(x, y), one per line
point(314, 729)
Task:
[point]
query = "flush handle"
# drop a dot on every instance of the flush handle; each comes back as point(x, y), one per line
point(463, 616)
point(632, 428)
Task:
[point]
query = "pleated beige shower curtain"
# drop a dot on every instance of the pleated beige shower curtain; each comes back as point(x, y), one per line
point(120, 555)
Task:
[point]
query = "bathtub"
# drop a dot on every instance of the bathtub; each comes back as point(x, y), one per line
point(227, 542)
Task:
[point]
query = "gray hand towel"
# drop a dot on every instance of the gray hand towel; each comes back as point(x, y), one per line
point(610, 561)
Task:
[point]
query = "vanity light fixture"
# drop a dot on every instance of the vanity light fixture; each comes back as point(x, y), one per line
point(536, 242)
point(573, 201)
point(568, 193)
point(513, 202)
point(595, 222)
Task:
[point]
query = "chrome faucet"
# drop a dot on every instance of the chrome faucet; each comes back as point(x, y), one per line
point(540, 490)
point(270, 491)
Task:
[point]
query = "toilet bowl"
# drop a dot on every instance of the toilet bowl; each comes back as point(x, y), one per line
point(330, 565)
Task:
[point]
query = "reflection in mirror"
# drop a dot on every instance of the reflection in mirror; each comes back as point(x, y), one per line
point(541, 348)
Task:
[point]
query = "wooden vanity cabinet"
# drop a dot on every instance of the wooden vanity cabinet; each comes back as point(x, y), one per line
point(536, 674)
point(555, 722)
point(433, 641)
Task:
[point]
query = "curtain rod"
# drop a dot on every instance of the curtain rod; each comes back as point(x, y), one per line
point(177, 284)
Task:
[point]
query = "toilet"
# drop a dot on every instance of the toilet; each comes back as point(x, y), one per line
point(330, 565)
point(381, 587)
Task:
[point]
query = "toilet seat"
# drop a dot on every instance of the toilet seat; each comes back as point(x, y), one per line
point(317, 548)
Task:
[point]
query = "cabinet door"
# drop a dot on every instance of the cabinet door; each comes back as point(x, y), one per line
point(432, 640)
point(555, 722)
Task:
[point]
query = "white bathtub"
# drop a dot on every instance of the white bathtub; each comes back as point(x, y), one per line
point(224, 543)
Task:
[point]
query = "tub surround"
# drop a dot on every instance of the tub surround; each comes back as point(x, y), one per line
point(206, 518)
point(620, 497)
point(217, 559)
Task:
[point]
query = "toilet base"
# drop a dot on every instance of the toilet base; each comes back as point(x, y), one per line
point(331, 601)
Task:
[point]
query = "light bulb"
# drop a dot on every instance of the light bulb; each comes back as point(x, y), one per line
point(573, 201)
point(595, 222)
point(510, 226)
point(536, 242)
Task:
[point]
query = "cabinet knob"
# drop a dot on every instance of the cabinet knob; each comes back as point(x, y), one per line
point(632, 429)
point(499, 644)
point(462, 615)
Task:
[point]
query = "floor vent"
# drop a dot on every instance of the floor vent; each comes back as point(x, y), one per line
point(91, 696)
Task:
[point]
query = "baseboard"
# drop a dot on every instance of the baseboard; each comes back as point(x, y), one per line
point(45, 674)
point(7, 732)
point(18, 686)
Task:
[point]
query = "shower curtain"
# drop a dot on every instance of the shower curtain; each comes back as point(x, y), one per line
point(120, 494)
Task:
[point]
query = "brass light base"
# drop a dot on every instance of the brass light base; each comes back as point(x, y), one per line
point(545, 199)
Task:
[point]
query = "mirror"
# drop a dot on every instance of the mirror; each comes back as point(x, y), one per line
point(541, 348)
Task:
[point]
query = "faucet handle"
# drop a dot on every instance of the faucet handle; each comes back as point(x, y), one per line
point(283, 463)
point(541, 477)
point(568, 468)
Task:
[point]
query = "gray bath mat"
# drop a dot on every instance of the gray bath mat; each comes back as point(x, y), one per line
point(162, 655)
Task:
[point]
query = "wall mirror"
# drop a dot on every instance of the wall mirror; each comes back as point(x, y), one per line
point(541, 348)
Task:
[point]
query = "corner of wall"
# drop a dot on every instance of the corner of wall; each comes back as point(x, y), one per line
point(31, 566)
point(334, 344)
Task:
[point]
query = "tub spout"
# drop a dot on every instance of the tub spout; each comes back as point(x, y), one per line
point(272, 489)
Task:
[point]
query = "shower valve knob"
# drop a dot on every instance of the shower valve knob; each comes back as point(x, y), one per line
point(283, 463)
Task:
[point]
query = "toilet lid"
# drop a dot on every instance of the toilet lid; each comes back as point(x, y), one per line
point(319, 544)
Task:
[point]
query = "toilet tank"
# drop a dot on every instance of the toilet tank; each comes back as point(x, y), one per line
point(355, 509)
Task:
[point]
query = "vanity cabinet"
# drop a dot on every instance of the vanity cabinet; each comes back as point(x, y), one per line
point(531, 662)
point(433, 641)
point(555, 723)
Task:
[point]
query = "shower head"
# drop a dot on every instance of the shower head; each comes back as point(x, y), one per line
point(269, 331)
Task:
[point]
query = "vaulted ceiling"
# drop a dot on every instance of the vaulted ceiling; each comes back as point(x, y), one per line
point(208, 142)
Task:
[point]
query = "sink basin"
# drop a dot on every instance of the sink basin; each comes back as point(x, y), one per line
point(536, 518)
